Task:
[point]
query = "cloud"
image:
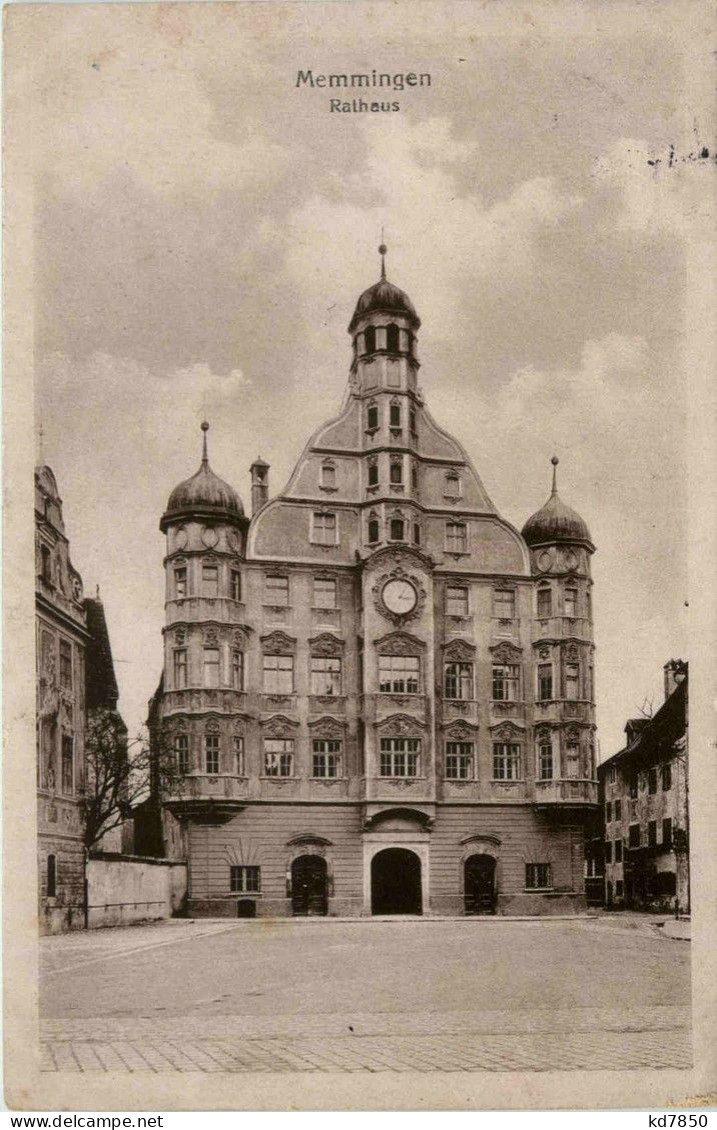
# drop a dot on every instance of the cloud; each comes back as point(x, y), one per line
point(614, 417)
point(617, 422)
point(136, 112)
point(442, 239)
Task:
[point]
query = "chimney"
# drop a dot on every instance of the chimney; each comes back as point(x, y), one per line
point(259, 484)
point(675, 672)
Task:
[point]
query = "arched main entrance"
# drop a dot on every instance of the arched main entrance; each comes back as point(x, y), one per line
point(396, 882)
point(479, 884)
point(309, 885)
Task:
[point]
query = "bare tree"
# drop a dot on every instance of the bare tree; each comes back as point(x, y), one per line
point(119, 773)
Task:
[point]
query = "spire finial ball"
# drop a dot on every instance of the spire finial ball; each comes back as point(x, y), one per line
point(205, 426)
point(382, 249)
point(555, 460)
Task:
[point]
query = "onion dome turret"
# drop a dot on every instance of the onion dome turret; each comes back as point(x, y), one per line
point(204, 495)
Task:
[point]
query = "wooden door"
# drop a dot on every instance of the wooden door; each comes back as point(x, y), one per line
point(480, 892)
point(309, 886)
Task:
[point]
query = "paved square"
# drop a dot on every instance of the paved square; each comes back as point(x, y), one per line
point(373, 995)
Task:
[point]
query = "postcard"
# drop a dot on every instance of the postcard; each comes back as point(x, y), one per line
point(359, 556)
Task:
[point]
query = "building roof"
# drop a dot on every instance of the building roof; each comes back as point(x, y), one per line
point(384, 297)
point(203, 494)
point(101, 689)
point(670, 719)
point(556, 521)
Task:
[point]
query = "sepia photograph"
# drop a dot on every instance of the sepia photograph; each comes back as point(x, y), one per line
point(350, 345)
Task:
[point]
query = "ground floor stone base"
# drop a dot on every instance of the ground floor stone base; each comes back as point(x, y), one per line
point(279, 860)
point(519, 906)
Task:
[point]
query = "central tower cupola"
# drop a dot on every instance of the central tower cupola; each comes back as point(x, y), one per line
point(383, 330)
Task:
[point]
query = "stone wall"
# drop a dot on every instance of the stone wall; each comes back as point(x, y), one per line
point(125, 889)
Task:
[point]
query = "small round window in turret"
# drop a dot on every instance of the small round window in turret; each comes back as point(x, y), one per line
point(571, 559)
point(545, 559)
point(210, 536)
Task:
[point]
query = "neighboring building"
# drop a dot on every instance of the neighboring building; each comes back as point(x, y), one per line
point(644, 790)
point(71, 636)
point(379, 693)
point(101, 695)
point(60, 654)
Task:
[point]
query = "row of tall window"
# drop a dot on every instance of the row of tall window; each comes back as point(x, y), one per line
point(649, 780)
point(325, 532)
point(639, 836)
point(451, 484)
point(398, 757)
point(325, 528)
point(388, 337)
point(397, 529)
point(211, 583)
point(566, 605)
point(276, 588)
point(397, 674)
point(395, 417)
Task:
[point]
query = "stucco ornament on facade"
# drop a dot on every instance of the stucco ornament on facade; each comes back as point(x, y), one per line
point(461, 731)
point(459, 651)
point(506, 653)
point(278, 726)
point(278, 643)
point(328, 727)
point(326, 645)
point(505, 731)
point(400, 726)
point(399, 643)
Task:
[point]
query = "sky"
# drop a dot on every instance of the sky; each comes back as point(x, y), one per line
point(203, 229)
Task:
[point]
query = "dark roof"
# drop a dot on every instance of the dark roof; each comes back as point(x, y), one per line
point(637, 723)
point(384, 296)
point(555, 522)
point(671, 718)
point(100, 683)
point(153, 711)
point(203, 495)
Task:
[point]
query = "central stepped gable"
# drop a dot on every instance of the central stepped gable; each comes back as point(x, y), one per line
point(383, 472)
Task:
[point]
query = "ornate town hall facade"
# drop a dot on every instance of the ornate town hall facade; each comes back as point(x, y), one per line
point(378, 692)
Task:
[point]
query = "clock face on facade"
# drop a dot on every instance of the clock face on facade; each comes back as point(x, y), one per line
point(399, 596)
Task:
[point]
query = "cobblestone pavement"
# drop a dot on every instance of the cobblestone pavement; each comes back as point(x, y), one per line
point(365, 997)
